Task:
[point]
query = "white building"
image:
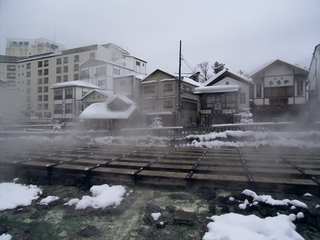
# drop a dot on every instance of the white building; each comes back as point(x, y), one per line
point(314, 85)
point(31, 77)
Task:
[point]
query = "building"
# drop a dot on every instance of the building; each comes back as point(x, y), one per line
point(279, 92)
point(159, 96)
point(67, 99)
point(30, 47)
point(314, 85)
point(223, 97)
point(94, 96)
point(31, 76)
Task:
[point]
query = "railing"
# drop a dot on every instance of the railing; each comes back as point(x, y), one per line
point(170, 132)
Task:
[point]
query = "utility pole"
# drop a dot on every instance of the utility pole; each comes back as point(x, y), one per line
point(179, 88)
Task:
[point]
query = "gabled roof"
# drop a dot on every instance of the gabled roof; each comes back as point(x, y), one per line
point(77, 83)
point(158, 70)
point(226, 73)
point(170, 77)
point(105, 110)
point(102, 92)
point(268, 64)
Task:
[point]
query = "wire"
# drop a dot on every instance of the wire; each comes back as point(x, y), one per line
point(188, 65)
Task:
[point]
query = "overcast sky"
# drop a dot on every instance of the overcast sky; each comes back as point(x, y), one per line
point(243, 34)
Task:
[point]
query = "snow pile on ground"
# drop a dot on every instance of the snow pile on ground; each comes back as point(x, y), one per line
point(103, 196)
point(309, 139)
point(47, 200)
point(269, 200)
point(14, 195)
point(234, 226)
point(5, 236)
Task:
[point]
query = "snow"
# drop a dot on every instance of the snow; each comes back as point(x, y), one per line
point(215, 89)
point(13, 195)
point(269, 200)
point(77, 83)
point(155, 216)
point(5, 236)
point(234, 226)
point(48, 200)
point(102, 196)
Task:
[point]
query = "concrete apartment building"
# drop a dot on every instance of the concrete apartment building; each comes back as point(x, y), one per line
point(31, 76)
point(314, 85)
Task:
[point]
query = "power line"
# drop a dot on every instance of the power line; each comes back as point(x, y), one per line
point(188, 65)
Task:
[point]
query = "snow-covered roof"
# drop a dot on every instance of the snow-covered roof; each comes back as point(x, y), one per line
point(102, 92)
point(191, 81)
point(216, 89)
point(75, 84)
point(94, 62)
point(226, 71)
point(265, 65)
point(102, 111)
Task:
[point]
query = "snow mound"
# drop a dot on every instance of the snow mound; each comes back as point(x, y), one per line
point(48, 200)
point(234, 226)
point(13, 195)
point(102, 196)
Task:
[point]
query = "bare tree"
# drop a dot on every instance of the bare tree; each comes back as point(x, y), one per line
point(204, 68)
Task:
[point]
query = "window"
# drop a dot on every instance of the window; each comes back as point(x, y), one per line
point(167, 105)
point(46, 72)
point(65, 60)
point(39, 106)
point(46, 63)
point(149, 106)
point(242, 98)
point(65, 78)
point(11, 75)
point(45, 80)
point(11, 83)
point(40, 64)
point(39, 80)
point(167, 87)
point(101, 71)
point(11, 67)
point(149, 89)
point(138, 63)
point(65, 69)
point(58, 79)
point(45, 106)
point(28, 82)
point(189, 105)
point(58, 61)
point(28, 74)
point(76, 67)
point(92, 55)
point(39, 72)
point(76, 58)
point(116, 71)
point(76, 76)
point(68, 93)
point(58, 108)
point(28, 91)
point(84, 74)
point(39, 89)
point(58, 94)
point(279, 92)
point(45, 89)
point(69, 108)
point(300, 88)
point(258, 89)
point(58, 70)
point(28, 65)
point(45, 98)
point(39, 98)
